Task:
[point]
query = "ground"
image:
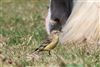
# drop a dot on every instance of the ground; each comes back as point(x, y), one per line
point(22, 29)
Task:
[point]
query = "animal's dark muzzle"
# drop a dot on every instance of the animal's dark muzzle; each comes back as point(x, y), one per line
point(55, 25)
point(59, 12)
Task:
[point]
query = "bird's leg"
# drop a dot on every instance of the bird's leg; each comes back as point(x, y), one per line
point(49, 53)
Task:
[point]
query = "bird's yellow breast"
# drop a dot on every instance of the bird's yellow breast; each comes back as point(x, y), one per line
point(52, 45)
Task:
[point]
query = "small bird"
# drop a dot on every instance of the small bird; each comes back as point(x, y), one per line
point(49, 43)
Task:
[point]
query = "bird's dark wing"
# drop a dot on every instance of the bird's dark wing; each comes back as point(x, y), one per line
point(40, 48)
point(47, 40)
point(44, 44)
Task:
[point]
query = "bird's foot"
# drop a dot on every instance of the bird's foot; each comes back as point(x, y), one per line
point(49, 53)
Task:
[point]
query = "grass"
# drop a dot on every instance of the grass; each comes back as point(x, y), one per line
point(22, 29)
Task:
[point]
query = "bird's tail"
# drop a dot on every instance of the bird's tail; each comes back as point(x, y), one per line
point(36, 49)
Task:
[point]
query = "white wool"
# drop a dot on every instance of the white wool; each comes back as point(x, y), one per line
point(47, 21)
point(83, 23)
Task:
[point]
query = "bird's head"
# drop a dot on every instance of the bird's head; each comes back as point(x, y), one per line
point(55, 32)
point(55, 35)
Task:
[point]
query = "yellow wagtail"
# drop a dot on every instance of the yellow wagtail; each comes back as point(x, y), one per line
point(50, 43)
